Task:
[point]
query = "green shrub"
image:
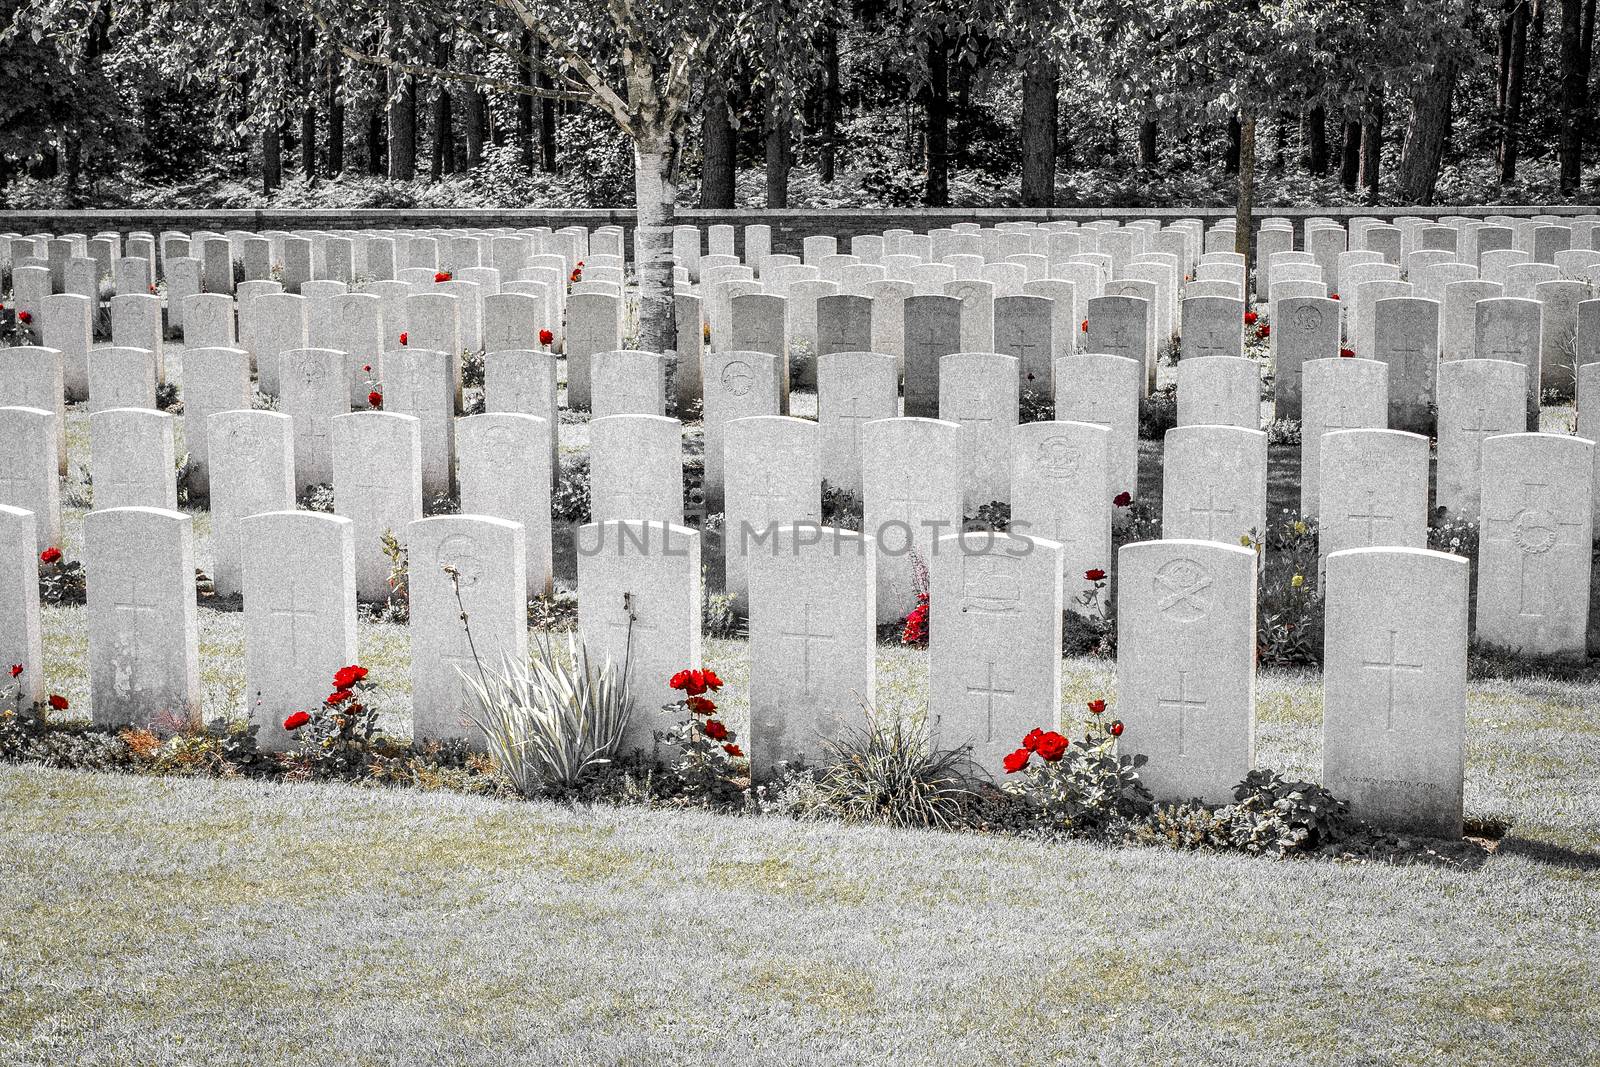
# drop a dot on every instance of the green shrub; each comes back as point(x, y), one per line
point(1288, 602)
point(1271, 814)
point(1158, 412)
point(1081, 786)
point(570, 502)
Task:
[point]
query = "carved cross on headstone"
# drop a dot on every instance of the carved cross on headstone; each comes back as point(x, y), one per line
point(989, 688)
point(1183, 703)
point(1371, 517)
point(294, 613)
point(1536, 531)
point(806, 635)
point(1391, 665)
point(1211, 511)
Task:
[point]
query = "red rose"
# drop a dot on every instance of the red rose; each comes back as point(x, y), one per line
point(1084, 326)
point(16, 669)
point(679, 680)
point(1333, 296)
point(701, 706)
point(546, 338)
point(367, 367)
point(1250, 318)
point(442, 276)
point(58, 702)
point(1266, 331)
point(1122, 500)
point(345, 677)
point(402, 340)
point(1116, 728)
point(734, 750)
point(1017, 760)
point(1031, 742)
point(375, 399)
point(1095, 575)
point(50, 555)
point(715, 730)
point(712, 681)
point(1096, 706)
point(297, 720)
point(580, 262)
point(339, 697)
point(1347, 353)
point(24, 317)
point(1052, 746)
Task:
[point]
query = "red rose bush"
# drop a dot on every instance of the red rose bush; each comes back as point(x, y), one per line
point(1078, 785)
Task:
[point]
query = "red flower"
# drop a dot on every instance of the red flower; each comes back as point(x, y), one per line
point(1052, 746)
point(345, 677)
point(1347, 353)
point(367, 367)
point(1250, 318)
point(1265, 331)
point(1017, 760)
point(580, 262)
point(1031, 742)
point(1095, 575)
point(24, 317)
point(402, 340)
point(339, 697)
point(734, 750)
point(712, 681)
point(701, 706)
point(1122, 500)
point(679, 680)
point(546, 338)
point(16, 669)
point(58, 702)
point(1333, 296)
point(1084, 326)
point(297, 720)
point(442, 276)
point(50, 555)
point(715, 730)
point(1096, 706)
point(1116, 728)
point(375, 399)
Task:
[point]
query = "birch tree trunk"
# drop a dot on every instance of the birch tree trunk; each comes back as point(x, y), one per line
point(655, 160)
point(1244, 210)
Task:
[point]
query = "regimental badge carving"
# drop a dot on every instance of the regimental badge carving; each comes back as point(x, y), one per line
point(738, 377)
point(990, 584)
point(1058, 457)
point(461, 552)
point(1307, 318)
point(1183, 590)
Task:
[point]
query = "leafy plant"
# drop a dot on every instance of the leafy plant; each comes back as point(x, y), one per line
point(551, 722)
point(718, 617)
point(890, 772)
point(1078, 786)
point(336, 740)
point(61, 580)
point(915, 627)
point(1158, 412)
point(840, 507)
point(709, 761)
point(570, 501)
point(1272, 814)
point(1289, 605)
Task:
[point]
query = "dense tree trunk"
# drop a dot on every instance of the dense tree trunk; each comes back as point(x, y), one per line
point(271, 158)
point(444, 138)
point(525, 139)
point(308, 109)
point(716, 147)
point(1230, 161)
point(1316, 138)
point(377, 139)
point(780, 131)
point(335, 116)
point(1280, 142)
point(936, 113)
point(1040, 87)
point(1350, 155)
point(1244, 208)
point(655, 169)
point(477, 127)
point(402, 128)
point(1516, 53)
point(1148, 157)
point(1428, 131)
point(1574, 95)
point(829, 105)
point(1372, 144)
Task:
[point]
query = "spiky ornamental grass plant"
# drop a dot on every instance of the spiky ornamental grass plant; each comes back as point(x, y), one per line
point(890, 772)
point(551, 721)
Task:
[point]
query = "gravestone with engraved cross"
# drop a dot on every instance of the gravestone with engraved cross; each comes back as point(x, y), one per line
point(1405, 333)
point(636, 468)
point(1214, 484)
point(136, 323)
point(252, 463)
point(1304, 328)
point(812, 639)
point(523, 381)
point(639, 605)
point(1186, 643)
point(1535, 534)
point(377, 484)
point(504, 472)
point(417, 383)
point(994, 654)
point(1478, 398)
point(771, 479)
point(357, 329)
point(737, 384)
point(1212, 326)
point(1105, 390)
point(1024, 329)
point(278, 324)
point(912, 478)
point(472, 565)
point(1121, 326)
point(853, 388)
point(132, 459)
point(979, 391)
point(313, 390)
point(1511, 329)
point(143, 633)
point(1373, 491)
point(1219, 391)
point(1394, 686)
point(844, 324)
point(1343, 393)
point(932, 331)
point(299, 614)
point(627, 383)
point(1061, 491)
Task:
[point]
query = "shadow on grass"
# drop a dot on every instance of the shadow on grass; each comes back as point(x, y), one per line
point(1550, 855)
